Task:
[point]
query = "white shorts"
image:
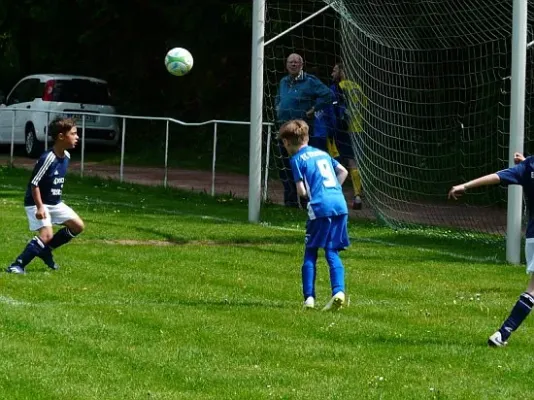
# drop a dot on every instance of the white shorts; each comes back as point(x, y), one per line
point(55, 215)
point(529, 255)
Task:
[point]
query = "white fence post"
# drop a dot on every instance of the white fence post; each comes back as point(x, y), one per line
point(123, 138)
point(46, 132)
point(82, 161)
point(12, 149)
point(214, 159)
point(166, 176)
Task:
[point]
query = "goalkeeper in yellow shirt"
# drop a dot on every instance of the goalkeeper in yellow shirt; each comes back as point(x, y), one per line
point(349, 105)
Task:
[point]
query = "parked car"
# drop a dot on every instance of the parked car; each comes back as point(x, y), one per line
point(45, 96)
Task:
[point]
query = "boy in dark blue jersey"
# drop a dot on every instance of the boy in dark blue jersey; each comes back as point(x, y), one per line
point(521, 174)
point(43, 203)
point(319, 177)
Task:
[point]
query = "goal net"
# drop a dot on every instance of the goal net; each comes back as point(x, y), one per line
point(434, 103)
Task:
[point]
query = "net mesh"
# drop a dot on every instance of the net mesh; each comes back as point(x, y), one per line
point(435, 103)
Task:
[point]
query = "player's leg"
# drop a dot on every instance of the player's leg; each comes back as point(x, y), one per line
point(337, 270)
point(309, 272)
point(314, 240)
point(346, 151)
point(37, 244)
point(522, 307)
point(73, 225)
point(331, 147)
point(337, 239)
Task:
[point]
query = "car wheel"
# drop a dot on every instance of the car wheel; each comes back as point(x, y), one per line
point(33, 146)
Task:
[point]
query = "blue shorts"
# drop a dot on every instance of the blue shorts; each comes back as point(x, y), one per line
point(328, 233)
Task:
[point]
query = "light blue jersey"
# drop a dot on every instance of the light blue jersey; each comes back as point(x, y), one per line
point(317, 170)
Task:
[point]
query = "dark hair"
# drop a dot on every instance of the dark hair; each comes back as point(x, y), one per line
point(295, 131)
point(60, 125)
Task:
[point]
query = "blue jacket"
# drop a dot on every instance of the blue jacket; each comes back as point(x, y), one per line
point(297, 95)
point(325, 122)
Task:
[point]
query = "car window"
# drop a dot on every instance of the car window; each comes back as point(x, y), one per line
point(25, 91)
point(81, 91)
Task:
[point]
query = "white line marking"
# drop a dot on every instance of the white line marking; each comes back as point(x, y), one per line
point(12, 302)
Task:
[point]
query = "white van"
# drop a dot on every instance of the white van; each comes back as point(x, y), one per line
point(46, 96)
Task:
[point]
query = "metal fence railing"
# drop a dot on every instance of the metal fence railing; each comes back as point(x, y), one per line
point(123, 137)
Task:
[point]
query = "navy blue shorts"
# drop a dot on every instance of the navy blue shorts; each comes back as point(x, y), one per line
point(344, 145)
point(328, 233)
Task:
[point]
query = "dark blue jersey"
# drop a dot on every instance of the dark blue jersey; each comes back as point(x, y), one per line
point(49, 175)
point(317, 170)
point(523, 174)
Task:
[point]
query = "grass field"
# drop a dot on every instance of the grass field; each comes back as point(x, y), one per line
point(172, 295)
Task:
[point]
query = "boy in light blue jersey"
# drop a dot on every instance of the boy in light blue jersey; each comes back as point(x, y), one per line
point(319, 177)
point(521, 174)
point(43, 201)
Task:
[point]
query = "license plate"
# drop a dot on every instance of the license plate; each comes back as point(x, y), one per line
point(78, 118)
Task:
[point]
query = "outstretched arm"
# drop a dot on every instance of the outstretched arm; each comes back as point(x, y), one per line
point(458, 190)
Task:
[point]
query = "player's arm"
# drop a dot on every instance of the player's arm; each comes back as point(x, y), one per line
point(323, 96)
point(36, 194)
point(341, 173)
point(515, 175)
point(518, 157)
point(458, 190)
point(301, 189)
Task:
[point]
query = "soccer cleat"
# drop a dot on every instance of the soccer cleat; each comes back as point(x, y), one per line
point(54, 266)
point(336, 302)
point(15, 269)
point(309, 303)
point(495, 340)
point(357, 203)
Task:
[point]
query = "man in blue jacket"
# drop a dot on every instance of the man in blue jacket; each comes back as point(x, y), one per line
point(300, 95)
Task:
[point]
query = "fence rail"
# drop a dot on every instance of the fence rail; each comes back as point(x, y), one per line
point(124, 118)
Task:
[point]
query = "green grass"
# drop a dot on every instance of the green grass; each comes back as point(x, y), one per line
point(173, 295)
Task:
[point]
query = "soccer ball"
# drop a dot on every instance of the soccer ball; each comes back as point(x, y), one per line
point(178, 61)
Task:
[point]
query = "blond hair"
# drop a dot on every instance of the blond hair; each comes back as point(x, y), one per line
point(294, 131)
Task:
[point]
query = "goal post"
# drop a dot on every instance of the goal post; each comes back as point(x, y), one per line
point(517, 126)
point(256, 110)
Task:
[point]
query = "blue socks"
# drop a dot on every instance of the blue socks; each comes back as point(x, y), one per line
point(517, 316)
point(36, 248)
point(46, 256)
point(32, 250)
point(337, 271)
point(309, 272)
point(63, 236)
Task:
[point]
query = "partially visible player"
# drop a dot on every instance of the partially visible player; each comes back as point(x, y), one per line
point(319, 177)
point(521, 174)
point(43, 203)
point(350, 102)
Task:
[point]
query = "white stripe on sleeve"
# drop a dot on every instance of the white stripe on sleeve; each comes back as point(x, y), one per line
point(47, 162)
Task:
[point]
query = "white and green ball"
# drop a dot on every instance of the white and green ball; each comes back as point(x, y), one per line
point(178, 61)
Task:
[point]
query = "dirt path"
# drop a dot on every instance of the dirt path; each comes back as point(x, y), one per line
point(484, 219)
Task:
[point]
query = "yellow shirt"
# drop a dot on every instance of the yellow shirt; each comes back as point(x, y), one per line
point(356, 104)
